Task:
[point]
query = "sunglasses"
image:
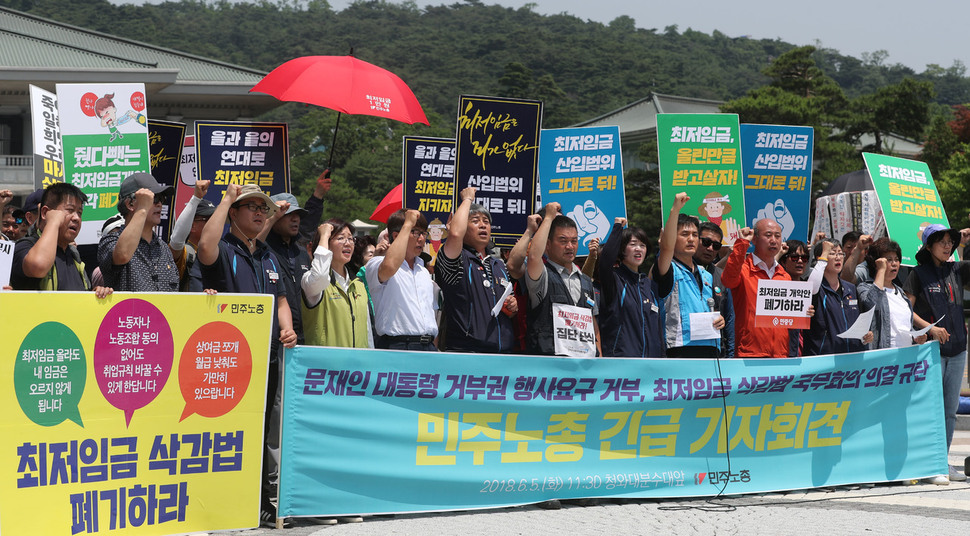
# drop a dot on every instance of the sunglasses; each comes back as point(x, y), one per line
point(797, 258)
point(708, 243)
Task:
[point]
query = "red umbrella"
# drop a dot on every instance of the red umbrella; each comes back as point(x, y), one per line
point(345, 84)
point(392, 202)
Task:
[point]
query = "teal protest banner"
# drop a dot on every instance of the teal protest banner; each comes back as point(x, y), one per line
point(909, 200)
point(377, 431)
point(701, 154)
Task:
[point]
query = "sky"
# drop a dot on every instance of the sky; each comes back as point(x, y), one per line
point(914, 33)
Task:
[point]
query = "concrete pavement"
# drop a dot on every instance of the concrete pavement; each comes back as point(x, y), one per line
point(893, 509)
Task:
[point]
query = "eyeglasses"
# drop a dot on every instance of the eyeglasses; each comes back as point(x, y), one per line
point(568, 241)
point(418, 233)
point(796, 258)
point(342, 239)
point(161, 199)
point(708, 243)
point(256, 208)
point(837, 254)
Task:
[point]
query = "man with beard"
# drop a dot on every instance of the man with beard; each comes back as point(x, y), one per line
point(47, 260)
point(136, 259)
point(558, 288)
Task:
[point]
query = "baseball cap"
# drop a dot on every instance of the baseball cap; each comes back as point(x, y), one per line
point(137, 181)
point(291, 199)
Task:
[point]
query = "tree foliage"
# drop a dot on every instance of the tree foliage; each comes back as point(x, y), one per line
point(580, 69)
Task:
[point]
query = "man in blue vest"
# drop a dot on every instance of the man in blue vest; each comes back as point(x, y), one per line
point(241, 263)
point(473, 284)
point(557, 321)
point(687, 289)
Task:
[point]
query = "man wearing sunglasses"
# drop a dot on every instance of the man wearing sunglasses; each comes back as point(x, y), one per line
point(136, 259)
point(706, 256)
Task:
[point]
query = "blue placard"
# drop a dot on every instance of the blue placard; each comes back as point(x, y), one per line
point(378, 431)
point(582, 170)
point(777, 166)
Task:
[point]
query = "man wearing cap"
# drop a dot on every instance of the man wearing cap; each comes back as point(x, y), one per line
point(239, 262)
point(136, 259)
point(14, 223)
point(32, 207)
point(935, 288)
point(45, 259)
point(473, 284)
point(282, 233)
point(186, 233)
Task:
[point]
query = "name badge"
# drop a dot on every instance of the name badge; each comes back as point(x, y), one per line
point(654, 308)
point(853, 303)
point(273, 276)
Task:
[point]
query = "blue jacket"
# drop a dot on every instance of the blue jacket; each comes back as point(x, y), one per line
point(835, 311)
point(630, 312)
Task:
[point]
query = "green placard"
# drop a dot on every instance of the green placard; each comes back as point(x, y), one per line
point(909, 200)
point(701, 154)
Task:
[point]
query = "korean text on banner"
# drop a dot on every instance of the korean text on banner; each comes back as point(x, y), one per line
point(777, 164)
point(701, 154)
point(48, 149)
point(582, 170)
point(783, 304)
point(236, 152)
point(428, 178)
point(185, 187)
point(104, 128)
point(497, 152)
point(372, 431)
point(909, 200)
point(165, 140)
point(140, 413)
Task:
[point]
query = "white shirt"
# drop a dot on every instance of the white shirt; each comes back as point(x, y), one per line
point(770, 270)
point(404, 304)
point(900, 319)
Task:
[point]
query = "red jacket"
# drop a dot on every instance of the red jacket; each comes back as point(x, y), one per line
point(741, 276)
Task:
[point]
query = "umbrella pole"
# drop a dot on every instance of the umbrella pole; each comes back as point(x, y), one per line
point(333, 143)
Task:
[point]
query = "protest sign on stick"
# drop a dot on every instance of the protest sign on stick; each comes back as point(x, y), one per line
point(497, 153)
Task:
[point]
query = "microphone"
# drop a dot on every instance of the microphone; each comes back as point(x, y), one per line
point(710, 305)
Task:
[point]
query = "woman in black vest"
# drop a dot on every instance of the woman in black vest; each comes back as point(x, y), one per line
point(935, 288)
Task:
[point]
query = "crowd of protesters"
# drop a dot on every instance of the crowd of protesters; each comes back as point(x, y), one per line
point(333, 288)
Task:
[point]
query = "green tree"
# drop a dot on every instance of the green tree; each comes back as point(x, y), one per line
point(901, 109)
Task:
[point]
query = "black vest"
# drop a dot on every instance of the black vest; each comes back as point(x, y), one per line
point(937, 292)
point(539, 330)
